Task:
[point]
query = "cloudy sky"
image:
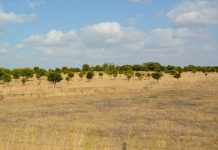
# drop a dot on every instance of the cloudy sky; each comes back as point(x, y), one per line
point(50, 33)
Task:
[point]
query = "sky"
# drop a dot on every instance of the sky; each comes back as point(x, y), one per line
point(55, 33)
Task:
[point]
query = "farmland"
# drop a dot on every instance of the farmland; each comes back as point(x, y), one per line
point(103, 113)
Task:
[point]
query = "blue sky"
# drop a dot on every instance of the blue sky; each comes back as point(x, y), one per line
point(50, 33)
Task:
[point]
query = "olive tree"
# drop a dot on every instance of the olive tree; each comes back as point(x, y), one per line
point(129, 74)
point(6, 78)
point(139, 75)
point(39, 74)
point(157, 75)
point(85, 67)
point(23, 81)
point(81, 74)
point(27, 73)
point(90, 75)
point(177, 75)
point(16, 73)
point(115, 73)
point(54, 77)
point(70, 75)
point(101, 74)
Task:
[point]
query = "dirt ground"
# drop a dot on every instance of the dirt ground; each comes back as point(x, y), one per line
point(102, 114)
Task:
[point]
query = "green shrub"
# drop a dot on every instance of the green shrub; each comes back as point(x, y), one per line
point(90, 75)
point(54, 77)
point(157, 75)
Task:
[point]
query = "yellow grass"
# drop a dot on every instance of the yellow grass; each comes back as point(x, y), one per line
point(103, 113)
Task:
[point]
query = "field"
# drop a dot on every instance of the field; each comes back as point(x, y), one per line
point(102, 114)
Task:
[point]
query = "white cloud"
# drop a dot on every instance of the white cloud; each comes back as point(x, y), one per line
point(131, 21)
point(51, 42)
point(6, 18)
point(176, 38)
point(112, 37)
point(195, 12)
point(15, 18)
point(54, 37)
point(140, 1)
point(98, 40)
point(36, 3)
point(4, 48)
point(106, 36)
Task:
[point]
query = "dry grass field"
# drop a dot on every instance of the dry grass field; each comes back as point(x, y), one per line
point(103, 113)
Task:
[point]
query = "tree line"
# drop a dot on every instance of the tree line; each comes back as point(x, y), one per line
point(152, 69)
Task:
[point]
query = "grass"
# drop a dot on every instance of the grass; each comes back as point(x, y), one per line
point(167, 114)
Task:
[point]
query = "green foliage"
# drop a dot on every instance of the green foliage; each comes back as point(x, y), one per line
point(40, 72)
point(153, 66)
point(115, 73)
point(157, 75)
point(16, 73)
point(70, 75)
point(23, 81)
point(85, 67)
point(67, 78)
point(101, 74)
point(139, 75)
point(74, 70)
point(27, 73)
point(64, 70)
point(58, 70)
point(177, 75)
point(81, 74)
point(129, 74)
point(90, 75)
point(3, 72)
point(6, 78)
point(125, 68)
point(137, 68)
point(54, 77)
point(98, 68)
point(148, 75)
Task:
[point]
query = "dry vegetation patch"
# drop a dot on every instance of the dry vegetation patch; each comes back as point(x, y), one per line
point(167, 114)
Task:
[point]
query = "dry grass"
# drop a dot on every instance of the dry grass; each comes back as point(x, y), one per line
point(103, 113)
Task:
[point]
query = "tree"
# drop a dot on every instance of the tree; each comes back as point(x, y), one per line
point(114, 73)
point(137, 68)
point(101, 74)
point(153, 66)
point(90, 75)
point(148, 75)
point(23, 81)
point(70, 75)
point(27, 73)
point(40, 72)
point(54, 77)
point(6, 78)
point(16, 73)
point(177, 75)
point(67, 78)
point(129, 74)
point(81, 74)
point(98, 68)
point(3, 72)
point(139, 75)
point(58, 70)
point(85, 67)
point(64, 70)
point(157, 75)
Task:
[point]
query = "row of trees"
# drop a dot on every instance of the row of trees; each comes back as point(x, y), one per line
point(150, 66)
point(55, 75)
